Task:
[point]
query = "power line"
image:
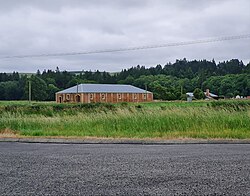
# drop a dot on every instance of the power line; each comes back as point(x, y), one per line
point(184, 43)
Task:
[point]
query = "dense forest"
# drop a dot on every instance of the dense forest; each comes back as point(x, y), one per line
point(168, 82)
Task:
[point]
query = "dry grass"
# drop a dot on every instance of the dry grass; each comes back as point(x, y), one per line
point(9, 133)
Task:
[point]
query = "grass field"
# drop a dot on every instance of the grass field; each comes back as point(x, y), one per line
point(168, 120)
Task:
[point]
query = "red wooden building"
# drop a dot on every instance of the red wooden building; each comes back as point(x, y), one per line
point(106, 93)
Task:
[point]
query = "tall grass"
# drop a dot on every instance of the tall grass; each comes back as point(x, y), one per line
point(207, 120)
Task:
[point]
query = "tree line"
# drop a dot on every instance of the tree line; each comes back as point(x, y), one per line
point(168, 82)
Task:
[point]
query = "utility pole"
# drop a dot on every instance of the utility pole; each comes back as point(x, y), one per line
point(29, 91)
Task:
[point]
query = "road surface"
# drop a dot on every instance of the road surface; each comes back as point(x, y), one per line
point(113, 169)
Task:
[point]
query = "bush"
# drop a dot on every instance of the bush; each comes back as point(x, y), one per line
point(199, 94)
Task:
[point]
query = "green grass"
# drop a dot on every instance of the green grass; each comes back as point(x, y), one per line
point(223, 119)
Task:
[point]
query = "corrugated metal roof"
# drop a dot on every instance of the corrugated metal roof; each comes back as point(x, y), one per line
point(103, 88)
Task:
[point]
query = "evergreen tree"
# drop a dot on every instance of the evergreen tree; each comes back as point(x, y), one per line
point(38, 89)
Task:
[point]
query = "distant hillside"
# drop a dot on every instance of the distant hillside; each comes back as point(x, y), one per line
point(168, 82)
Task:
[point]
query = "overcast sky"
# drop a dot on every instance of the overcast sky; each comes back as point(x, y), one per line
point(57, 26)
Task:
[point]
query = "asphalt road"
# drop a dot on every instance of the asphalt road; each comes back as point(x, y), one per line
point(112, 169)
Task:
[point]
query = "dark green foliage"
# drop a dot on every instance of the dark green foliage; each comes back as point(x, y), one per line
point(198, 93)
point(229, 85)
point(168, 82)
point(51, 90)
point(38, 89)
point(138, 106)
point(10, 90)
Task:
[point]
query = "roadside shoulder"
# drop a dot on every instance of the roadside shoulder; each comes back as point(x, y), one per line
point(125, 141)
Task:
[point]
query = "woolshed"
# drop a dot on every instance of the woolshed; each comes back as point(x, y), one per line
point(106, 93)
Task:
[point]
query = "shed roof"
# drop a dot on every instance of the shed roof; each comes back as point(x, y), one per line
point(190, 94)
point(103, 88)
point(211, 95)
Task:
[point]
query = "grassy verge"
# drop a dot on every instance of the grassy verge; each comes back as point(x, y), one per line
point(228, 119)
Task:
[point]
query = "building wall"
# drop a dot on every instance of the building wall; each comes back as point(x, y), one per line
point(103, 97)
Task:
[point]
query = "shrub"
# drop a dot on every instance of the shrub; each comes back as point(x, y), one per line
point(198, 93)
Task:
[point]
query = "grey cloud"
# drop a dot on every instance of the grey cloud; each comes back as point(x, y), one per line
point(38, 27)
